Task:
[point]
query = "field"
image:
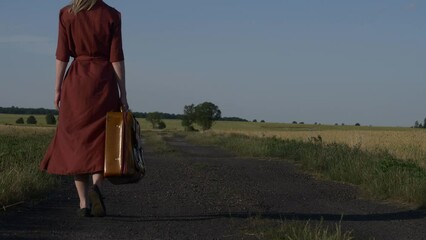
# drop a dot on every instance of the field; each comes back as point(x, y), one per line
point(403, 143)
point(369, 157)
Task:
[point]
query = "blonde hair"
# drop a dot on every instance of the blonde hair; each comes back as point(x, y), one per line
point(79, 5)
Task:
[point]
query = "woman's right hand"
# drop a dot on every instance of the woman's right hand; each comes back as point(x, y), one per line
point(57, 100)
point(124, 103)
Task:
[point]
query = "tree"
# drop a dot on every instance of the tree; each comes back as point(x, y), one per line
point(254, 120)
point(50, 119)
point(416, 124)
point(31, 120)
point(262, 121)
point(294, 122)
point(205, 114)
point(154, 118)
point(20, 121)
point(188, 117)
point(357, 124)
point(424, 123)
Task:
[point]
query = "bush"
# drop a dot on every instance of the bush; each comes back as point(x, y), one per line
point(161, 125)
point(31, 120)
point(50, 119)
point(20, 121)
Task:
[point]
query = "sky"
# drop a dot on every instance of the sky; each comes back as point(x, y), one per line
point(328, 61)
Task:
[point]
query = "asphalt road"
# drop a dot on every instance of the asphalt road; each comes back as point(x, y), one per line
point(207, 193)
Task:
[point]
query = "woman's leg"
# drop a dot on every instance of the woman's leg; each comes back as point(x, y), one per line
point(82, 185)
point(98, 178)
point(98, 206)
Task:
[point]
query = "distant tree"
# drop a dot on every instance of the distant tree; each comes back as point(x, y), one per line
point(301, 123)
point(205, 114)
point(343, 124)
point(154, 118)
point(315, 123)
point(50, 119)
point(31, 120)
point(420, 125)
point(254, 120)
point(424, 123)
point(294, 122)
point(357, 124)
point(336, 124)
point(20, 121)
point(416, 124)
point(262, 121)
point(189, 117)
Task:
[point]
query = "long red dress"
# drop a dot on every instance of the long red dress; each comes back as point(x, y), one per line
point(89, 90)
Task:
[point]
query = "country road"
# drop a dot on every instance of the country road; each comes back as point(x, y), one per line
point(206, 193)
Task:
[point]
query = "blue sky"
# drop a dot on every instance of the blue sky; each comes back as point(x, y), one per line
point(329, 61)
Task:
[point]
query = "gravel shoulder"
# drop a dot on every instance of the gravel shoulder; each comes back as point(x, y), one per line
point(206, 193)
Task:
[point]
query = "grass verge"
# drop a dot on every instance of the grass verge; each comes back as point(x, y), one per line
point(155, 142)
point(21, 150)
point(291, 230)
point(379, 174)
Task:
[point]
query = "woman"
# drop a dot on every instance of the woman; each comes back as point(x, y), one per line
point(90, 33)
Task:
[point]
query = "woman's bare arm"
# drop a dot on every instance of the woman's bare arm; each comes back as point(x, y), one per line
point(60, 72)
point(120, 71)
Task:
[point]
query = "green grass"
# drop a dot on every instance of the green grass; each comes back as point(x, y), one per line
point(21, 151)
point(155, 142)
point(379, 174)
point(293, 230)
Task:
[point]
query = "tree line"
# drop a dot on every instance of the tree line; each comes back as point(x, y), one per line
point(44, 111)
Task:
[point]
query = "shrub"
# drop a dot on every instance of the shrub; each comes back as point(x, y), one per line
point(161, 125)
point(31, 120)
point(50, 119)
point(20, 121)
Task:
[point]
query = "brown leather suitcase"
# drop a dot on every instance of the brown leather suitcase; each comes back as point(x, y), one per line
point(123, 149)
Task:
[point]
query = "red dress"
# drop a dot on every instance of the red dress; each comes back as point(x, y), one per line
point(89, 89)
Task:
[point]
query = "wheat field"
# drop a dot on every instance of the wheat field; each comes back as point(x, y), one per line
point(402, 142)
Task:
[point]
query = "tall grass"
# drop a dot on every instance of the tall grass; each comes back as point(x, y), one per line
point(292, 230)
point(21, 150)
point(405, 144)
point(379, 174)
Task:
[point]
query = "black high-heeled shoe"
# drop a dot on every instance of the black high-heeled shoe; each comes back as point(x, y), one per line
point(98, 206)
point(83, 212)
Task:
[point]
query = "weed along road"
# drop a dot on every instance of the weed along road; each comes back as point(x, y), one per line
point(196, 192)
